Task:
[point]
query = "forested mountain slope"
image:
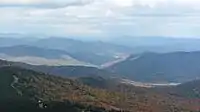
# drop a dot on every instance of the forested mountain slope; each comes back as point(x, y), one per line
point(21, 85)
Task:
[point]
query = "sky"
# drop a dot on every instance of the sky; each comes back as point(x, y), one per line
point(101, 18)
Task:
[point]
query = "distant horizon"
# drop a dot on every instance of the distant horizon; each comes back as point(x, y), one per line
point(98, 38)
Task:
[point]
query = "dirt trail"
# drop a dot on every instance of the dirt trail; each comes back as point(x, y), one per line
point(16, 79)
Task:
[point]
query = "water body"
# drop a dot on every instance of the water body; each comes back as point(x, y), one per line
point(148, 85)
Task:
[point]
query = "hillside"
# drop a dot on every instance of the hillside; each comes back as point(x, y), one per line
point(64, 71)
point(190, 89)
point(155, 67)
point(22, 89)
point(21, 85)
point(70, 71)
point(38, 56)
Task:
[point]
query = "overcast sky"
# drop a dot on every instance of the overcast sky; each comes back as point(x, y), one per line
point(101, 18)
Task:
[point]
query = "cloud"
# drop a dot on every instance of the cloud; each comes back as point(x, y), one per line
point(43, 3)
point(102, 17)
point(20, 1)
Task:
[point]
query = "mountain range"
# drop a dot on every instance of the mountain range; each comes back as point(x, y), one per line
point(173, 67)
point(157, 44)
point(176, 67)
point(93, 52)
point(60, 74)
